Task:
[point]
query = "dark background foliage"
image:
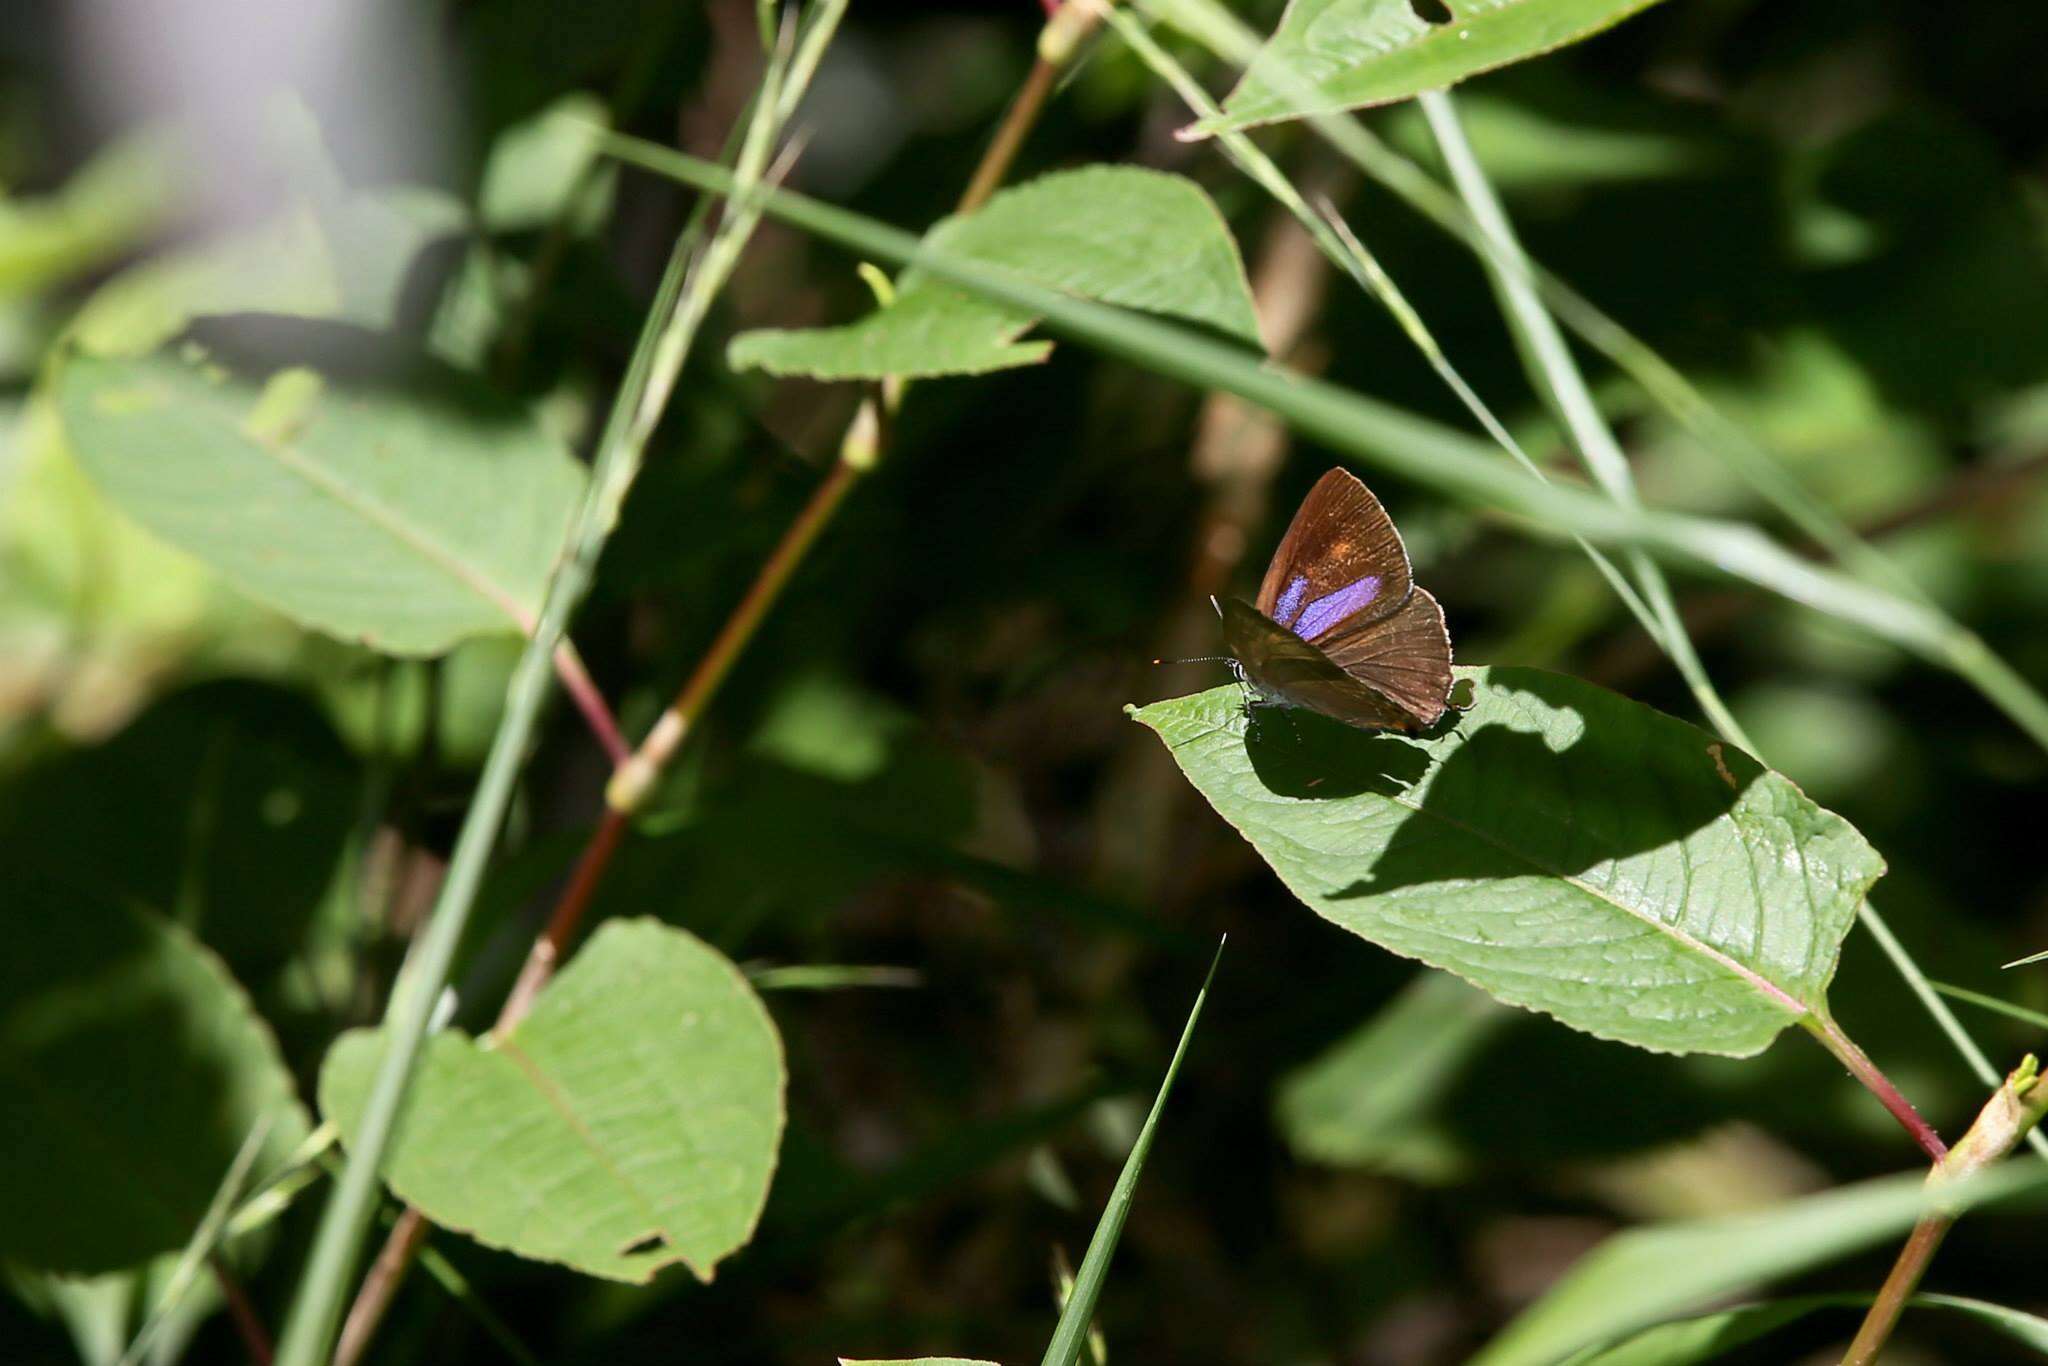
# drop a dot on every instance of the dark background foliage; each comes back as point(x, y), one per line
point(1830, 214)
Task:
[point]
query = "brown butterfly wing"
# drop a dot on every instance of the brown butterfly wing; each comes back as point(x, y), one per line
point(1340, 537)
point(1282, 665)
point(1405, 658)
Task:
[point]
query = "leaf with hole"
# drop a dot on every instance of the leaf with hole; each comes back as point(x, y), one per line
point(1118, 234)
point(135, 1068)
point(1332, 55)
point(629, 1122)
point(1559, 846)
point(406, 511)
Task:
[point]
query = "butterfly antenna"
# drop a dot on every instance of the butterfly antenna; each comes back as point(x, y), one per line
point(1197, 659)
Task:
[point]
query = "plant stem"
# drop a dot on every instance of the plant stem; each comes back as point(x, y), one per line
point(1884, 1311)
point(636, 771)
point(2013, 1111)
point(1876, 1082)
point(583, 691)
point(374, 1297)
point(549, 945)
point(658, 356)
point(247, 1321)
point(636, 776)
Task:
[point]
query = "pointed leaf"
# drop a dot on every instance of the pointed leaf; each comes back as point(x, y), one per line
point(1563, 848)
point(629, 1122)
point(1331, 55)
point(405, 515)
point(1118, 234)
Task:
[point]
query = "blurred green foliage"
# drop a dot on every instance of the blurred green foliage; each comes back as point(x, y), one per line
point(1831, 216)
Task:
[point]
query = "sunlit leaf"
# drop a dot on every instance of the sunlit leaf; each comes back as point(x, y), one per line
point(629, 1122)
point(406, 514)
point(1118, 234)
point(1329, 55)
point(1563, 848)
point(135, 1069)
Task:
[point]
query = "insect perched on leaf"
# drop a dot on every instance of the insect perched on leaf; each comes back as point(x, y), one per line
point(1340, 626)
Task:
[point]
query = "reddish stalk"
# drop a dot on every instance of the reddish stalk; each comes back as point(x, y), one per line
point(1877, 1083)
point(1898, 1287)
point(242, 1310)
point(635, 771)
point(583, 691)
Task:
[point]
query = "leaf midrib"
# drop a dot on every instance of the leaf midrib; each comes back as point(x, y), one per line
point(1764, 987)
point(391, 522)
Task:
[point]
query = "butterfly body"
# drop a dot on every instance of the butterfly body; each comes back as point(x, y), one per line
point(1339, 626)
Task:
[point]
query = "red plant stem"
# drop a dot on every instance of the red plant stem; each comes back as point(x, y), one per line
point(577, 683)
point(1897, 1289)
point(1877, 1083)
point(636, 770)
point(554, 937)
point(248, 1322)
point(379, 1286)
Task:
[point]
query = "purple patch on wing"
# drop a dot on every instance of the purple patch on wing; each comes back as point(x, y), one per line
point(1326, 611)
point(1289, 606)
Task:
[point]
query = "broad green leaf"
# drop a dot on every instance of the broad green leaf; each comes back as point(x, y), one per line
point(135, 1069)
point(1118, 234)
point(1369, 1100)
point(920, 1361)
point(1331, 55)
point(629, 1122)
point(1557, 845)
point(1688, 1341)
point(406, 515)
point(1646, 1275)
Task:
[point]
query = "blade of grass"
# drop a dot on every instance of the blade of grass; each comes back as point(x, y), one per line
point(1961, 650)
point(205, 1241)
point(1992, 1003)
point(1374, 433)
point(1556, 376)
point(658, 356)
point(1231, 40)
point(1070, 1336)
point(1336, 241)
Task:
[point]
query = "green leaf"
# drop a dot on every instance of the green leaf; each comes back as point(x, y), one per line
point(1332, 55)
point(1118, 234)
point(919, 1361)
point(134, 1068)
point(1640, 1277)
point(629, 1122)
point(1370, 1100)
point(1557, 845)
point(227, 804)
point(407, 515)
point(1710, 1335)
point(536, 168)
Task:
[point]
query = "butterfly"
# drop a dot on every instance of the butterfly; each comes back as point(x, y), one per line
point(1340, 626)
